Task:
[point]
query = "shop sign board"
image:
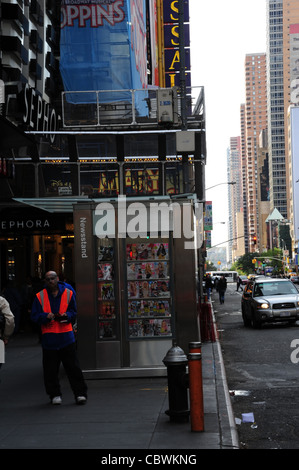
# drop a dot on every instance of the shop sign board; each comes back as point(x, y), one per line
point(208, 217)
point(25, 224)
point(37, 114)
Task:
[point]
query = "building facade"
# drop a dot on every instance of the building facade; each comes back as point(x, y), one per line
point(236, 219)
point(277, 162)
point(263, 189)
point(281, 15)
point(255, 122)
point(91, 114)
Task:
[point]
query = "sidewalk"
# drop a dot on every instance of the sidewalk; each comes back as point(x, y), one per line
point(119, 414)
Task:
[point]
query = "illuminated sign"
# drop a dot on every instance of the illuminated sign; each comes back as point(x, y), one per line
point(172, 42)
point(208, 216)
point(171, 35)
point(173, 79)
point(171, 11)
point(141, 181)
point(172, 59)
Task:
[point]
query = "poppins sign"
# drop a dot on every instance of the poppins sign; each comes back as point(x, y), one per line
point(103, 47)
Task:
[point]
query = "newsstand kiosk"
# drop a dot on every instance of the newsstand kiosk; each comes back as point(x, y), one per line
point(136, 282)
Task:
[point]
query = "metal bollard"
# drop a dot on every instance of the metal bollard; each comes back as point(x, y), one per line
point(196, 392)
point(195, 347)
point(176, 362)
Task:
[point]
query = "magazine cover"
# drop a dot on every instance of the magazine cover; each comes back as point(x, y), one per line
point(159, 289)
point(149, 328)
point(145, 289)
point(105, 271)
point(106, 329)
point(105, 253)
point(147, 251)
point(148, 308)
point(106, 310)
point(106, 291)
point(147, 270)
point(133, 290)
point(161, 270)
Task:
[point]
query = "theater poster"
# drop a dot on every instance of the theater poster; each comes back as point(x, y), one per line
point(103, 47)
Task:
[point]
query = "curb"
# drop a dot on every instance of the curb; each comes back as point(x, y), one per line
point(231, 416)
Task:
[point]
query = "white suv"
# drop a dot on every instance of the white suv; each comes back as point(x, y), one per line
point(269, 300)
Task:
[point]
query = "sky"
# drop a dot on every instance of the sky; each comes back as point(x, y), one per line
point(221, 34)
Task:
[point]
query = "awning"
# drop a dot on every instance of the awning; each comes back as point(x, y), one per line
point(53, 205)
point(65, 204)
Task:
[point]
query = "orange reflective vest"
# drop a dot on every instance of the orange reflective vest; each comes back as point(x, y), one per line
point(55, 326)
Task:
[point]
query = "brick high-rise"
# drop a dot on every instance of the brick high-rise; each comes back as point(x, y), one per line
point(255, 121)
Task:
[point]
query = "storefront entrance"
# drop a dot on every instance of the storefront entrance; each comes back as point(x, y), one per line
point(34, 241)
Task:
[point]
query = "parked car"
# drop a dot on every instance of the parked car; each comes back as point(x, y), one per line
point(291, 274)
point(269, 300)
point(244, 280)
point(295, 279)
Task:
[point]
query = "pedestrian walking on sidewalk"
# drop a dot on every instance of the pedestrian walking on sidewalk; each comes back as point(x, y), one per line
point(8, 327)
point(222, 285)
point(54, 309)
point(239, 283)
point(209, 285)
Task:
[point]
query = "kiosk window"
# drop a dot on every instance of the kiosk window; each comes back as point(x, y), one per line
point(148, 290)
point(107, 326)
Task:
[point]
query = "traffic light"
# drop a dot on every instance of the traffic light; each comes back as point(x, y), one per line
point(254, 238)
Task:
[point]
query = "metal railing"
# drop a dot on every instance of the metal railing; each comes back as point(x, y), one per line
point(123, 108)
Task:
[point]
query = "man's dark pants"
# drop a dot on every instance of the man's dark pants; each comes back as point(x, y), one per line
point(51, 362)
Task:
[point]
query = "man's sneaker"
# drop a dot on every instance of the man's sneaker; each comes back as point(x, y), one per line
point(56, 401)
point(81, 400)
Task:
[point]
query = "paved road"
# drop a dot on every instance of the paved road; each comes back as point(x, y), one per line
point(262, 368)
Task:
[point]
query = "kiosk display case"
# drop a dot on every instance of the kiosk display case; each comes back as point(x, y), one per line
point(106, 290)
point(149, 290)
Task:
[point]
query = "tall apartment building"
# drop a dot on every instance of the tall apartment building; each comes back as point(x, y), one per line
point(263, 189)
point(291, 71)
point(255, 120)
point(243, 174)
point(292, 139)
point(236, 220)
point(281, 15)
point(277, 161)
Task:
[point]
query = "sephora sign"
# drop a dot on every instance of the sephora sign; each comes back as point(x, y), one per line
point(38, 114)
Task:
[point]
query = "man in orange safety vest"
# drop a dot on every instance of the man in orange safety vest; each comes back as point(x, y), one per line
point(54, 309)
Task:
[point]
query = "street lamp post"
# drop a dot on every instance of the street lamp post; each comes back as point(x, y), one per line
point(219, 184)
